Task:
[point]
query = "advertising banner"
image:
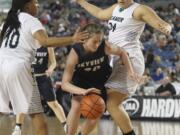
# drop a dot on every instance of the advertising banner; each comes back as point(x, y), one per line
point(153, 108)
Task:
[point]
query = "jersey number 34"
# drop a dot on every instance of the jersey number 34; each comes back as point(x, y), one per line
point(112, 26)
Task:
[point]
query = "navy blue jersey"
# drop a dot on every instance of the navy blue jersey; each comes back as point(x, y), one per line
point(93, 69)
point(41, 61)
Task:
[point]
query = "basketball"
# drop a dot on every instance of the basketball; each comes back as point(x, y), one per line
point(92, 106)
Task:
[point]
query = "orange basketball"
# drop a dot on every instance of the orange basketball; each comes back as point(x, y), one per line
point(92, 106)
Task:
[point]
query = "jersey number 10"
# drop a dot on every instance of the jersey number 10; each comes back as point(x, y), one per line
point(13, 39)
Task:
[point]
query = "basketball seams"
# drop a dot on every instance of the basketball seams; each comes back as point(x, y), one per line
point(92, 107)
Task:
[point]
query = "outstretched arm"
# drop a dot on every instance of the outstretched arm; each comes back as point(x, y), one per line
point(102, 14)
point(51, 61)
point(115, 50)
point(42, 37)
point(148, 15)
point(68, 74)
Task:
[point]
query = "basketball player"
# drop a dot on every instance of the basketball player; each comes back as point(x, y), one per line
point(126, 22)
point(88, 68)
point(20, 36)
point(43, 67)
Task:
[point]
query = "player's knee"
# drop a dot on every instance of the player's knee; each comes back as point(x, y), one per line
point(112, 106)
point(76, 106)
point(92, 122)
point(109, 105)
point(112, 103)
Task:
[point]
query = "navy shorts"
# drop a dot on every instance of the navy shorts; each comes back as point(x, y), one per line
point(45, 88)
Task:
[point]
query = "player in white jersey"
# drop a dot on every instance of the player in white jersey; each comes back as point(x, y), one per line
point(21, 34)
point(126, 20)
point(43, 67)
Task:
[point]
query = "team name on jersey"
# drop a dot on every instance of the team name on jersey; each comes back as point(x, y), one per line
point(118, 19)
point(91, 63)
point(41, 54)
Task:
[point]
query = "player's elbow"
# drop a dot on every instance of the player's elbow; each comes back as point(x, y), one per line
point(44, 42)
point(100, 15)
point(55, 64)
point(64, 85)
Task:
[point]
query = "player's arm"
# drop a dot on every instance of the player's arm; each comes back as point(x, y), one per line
point(51, 61)
point(71, 62)
point(148, 15)
point(115, 50)
point(102, 14)
point(42, 37)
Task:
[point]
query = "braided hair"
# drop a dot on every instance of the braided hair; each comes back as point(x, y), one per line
point(12, 22)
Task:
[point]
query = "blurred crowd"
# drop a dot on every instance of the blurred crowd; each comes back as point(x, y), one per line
point(162, 53)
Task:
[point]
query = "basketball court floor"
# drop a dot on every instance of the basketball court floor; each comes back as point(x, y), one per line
point(104, 127)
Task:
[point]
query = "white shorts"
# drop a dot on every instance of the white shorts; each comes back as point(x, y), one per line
point(18, 87)
point(119, 79)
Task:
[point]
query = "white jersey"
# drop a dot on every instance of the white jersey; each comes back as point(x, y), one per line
point(21, 44)
point(16, 82)
point(125, 31)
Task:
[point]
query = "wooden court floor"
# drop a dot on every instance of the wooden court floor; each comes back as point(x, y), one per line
point(104, 127)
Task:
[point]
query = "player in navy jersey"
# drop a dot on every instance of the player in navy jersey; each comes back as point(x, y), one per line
point(126, 20)
point(43, 67)
point(21, 34)
point(87, 70)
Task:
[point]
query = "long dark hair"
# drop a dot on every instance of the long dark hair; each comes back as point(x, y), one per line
point(12, 22)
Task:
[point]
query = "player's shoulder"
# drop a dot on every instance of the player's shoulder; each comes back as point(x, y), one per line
point(115, 5)
point(26, 17)
point(142, 7)
point(142, 10)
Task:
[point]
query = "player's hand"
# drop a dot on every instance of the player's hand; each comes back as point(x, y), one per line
point(57, 85)
point(80, 37)
point(48, 73)
point(144, 79)
point(135, 77)
point(92, 90)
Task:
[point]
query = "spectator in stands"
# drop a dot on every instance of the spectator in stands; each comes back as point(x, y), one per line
point(160, 45)
point(149, 58)
point(158, 76)
point(166, 89)
point(156, 64)
point(177, 64)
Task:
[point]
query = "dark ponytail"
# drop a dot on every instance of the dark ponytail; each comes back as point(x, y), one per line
point(12, 22)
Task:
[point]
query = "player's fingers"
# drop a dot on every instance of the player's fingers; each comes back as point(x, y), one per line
point(93, 90)
point(78, 29)
point(84, 34)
